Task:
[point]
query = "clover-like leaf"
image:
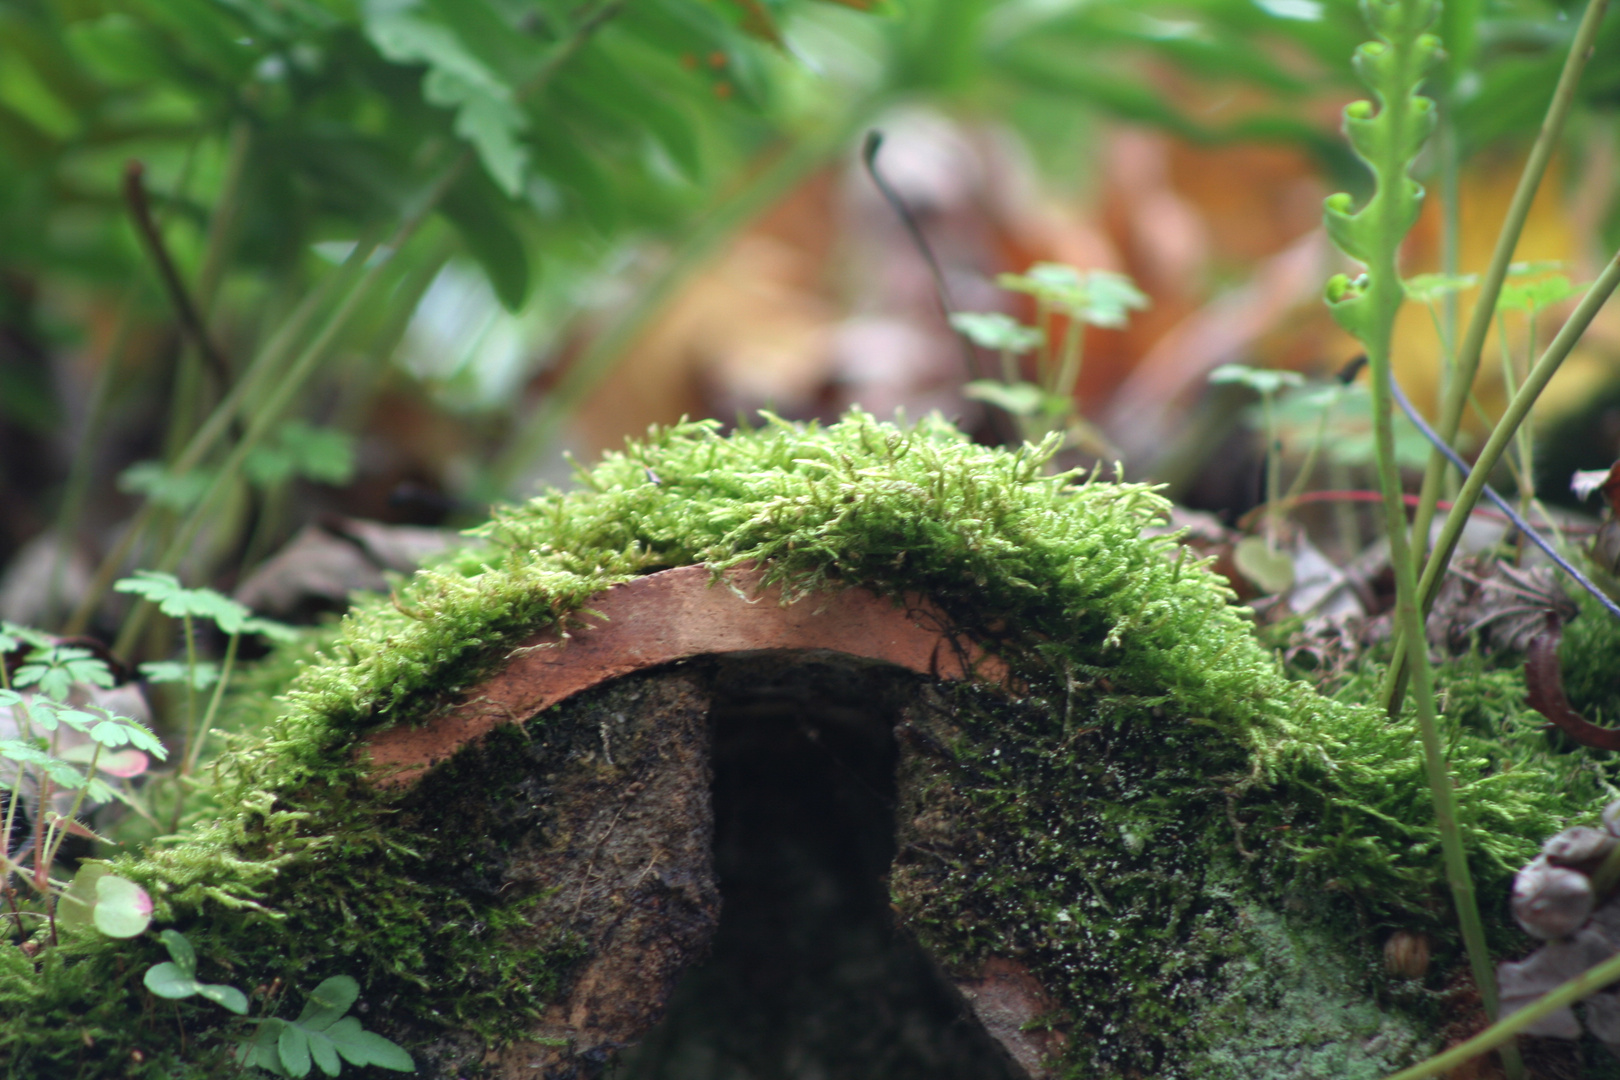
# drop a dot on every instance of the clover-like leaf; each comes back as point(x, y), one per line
point(173, 598)
point(292, 1047)
point(1270, 568)
point(123, 909)
point(23, 752)
point(1020, 398)
point(328, 1002)
point(55, 668)
point(167, 980)
point(1098, 297)
point(181, 951)
point(324, 1051)
point(14, 637)
point(260, 1050)
point(133, 733)
point(275, 631)
point(324, 455)
point(1535, 294)
point(1109, 299)
point(163, 488)
point(177, 977)
point(62, 774)
point(360, 1047)
point(1426, 288)
point(993, 330)
point(201, 675)
point(227, 996)
point(1264, 381)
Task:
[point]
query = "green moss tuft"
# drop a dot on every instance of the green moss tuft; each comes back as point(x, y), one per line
point(305, 870)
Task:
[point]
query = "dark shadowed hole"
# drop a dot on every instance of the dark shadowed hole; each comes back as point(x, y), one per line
point(809, 978)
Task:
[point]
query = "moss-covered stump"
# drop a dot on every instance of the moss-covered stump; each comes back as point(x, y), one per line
point(1074, 822)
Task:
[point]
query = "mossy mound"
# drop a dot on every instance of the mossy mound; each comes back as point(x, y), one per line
point(1151, 740)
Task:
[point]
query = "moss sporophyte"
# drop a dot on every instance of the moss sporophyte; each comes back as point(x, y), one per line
point(1197, 857)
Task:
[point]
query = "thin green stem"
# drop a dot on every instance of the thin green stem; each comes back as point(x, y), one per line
point(191, 680)
point(11, 821)
point(80, 471)
point(1273, 469)
point(1303, 477)
point(1450, 240)
point(1510, 385)
point(1507, 239)
point(1074, 345)
point(194, 752)
point(1498, 1034)
point(1387, 140)
point(41, 880)
point(54, 836)
point(222, 223)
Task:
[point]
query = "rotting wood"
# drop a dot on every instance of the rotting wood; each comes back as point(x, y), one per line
point(673, 615)
point(619, 853)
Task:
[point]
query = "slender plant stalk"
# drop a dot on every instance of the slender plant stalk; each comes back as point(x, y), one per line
point(55, 835)
point(1073, 355)
point(1499, 1034)
point(1273, 468)
point(1388, 138)
point(1302, 479)
point(194, 749)
point(190, 628)
point(222, 222)
point(1507, 239)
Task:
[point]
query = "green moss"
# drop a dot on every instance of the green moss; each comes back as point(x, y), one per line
point(1589, 655)
point(306, 870)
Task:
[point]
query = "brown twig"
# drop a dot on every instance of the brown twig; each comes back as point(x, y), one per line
point(1544, 685)
point(185, 310)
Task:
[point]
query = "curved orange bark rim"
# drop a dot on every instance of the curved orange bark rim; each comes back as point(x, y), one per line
point(676, 615)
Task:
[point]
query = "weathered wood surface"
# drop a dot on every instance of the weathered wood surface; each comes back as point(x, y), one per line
point(673, 615)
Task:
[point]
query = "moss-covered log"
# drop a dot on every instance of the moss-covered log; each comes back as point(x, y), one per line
point(1097, 833)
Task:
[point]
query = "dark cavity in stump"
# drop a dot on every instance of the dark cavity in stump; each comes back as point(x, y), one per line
point(808, 975)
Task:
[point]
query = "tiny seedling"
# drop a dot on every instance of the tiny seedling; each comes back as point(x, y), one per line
point(176, 978)
point(189, 605)
point(1082, 298)
point(322, 1036)
point(1258, 557)
point(1006, 335)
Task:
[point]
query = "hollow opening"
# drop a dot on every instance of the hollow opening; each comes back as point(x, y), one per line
point(808, 976)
